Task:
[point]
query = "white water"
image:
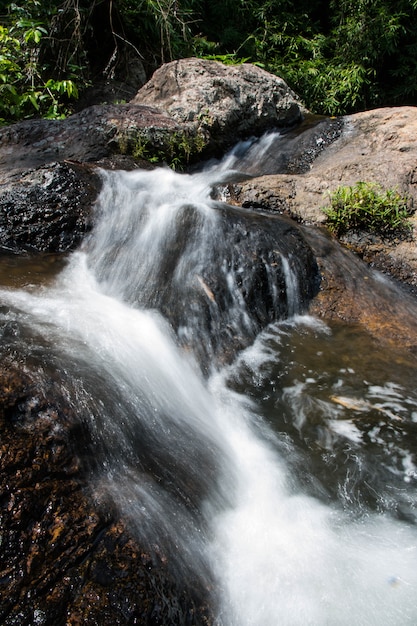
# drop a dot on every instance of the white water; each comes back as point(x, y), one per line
point(286, 558)
point(280, 556)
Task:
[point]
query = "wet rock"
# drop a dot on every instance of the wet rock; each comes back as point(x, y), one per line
point(350, 291)
point(222, 103)
point(47, 209)
point(65, 559)
point(256, 269)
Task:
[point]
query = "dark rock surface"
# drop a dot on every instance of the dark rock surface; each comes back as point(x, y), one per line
point(47, 209)
point(65, 558)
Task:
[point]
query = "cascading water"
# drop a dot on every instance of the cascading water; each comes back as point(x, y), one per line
point(283, 478)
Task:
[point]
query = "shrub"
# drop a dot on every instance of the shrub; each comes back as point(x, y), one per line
point(367, 206)
point(25, 88)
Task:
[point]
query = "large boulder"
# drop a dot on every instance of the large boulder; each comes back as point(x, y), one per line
point(186, 109)
point(222, 102)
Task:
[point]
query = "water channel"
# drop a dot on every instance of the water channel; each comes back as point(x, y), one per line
point(287, 475)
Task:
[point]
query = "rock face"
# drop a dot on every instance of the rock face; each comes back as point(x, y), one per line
point(48, 209)
point(375, 146)
point(222, 102)
point(64, 559)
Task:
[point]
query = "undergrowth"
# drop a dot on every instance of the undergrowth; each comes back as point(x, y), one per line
point(368, 207)
point(175, 149)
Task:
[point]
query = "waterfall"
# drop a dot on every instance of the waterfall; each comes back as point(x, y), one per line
point(182, 448)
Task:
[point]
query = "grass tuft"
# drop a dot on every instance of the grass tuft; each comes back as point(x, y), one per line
point(367, 207)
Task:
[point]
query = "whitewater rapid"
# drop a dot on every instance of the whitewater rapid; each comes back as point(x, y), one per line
point(278, 554)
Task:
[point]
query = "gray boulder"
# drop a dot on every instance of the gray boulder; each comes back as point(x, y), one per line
point(222, 102)
point(197, 107)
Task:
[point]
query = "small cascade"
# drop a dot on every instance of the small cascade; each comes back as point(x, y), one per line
point(221, 274)
point(213, 406)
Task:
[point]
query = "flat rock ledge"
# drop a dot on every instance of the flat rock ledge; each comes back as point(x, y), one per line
point(96, 133)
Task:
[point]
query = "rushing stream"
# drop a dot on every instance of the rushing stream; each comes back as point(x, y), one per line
point(288, 474)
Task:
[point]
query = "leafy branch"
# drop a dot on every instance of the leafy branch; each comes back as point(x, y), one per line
point(24, 89)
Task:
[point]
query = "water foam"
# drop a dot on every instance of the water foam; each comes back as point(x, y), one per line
point(280, 556)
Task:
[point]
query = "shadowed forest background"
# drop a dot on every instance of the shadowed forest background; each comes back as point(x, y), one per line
point(338, 56)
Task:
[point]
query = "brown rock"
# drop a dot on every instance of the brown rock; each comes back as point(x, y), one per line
point(375, 146)
point(352, 292)
point(65, 559)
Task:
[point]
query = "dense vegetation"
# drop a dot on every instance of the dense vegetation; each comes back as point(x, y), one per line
point(339, 56)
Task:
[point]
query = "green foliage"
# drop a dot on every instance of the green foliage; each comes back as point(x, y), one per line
point(25, 88)
point(366, 206)
point(339, 56)
point(176, 149)
point(335, 55)
point(327, 87)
